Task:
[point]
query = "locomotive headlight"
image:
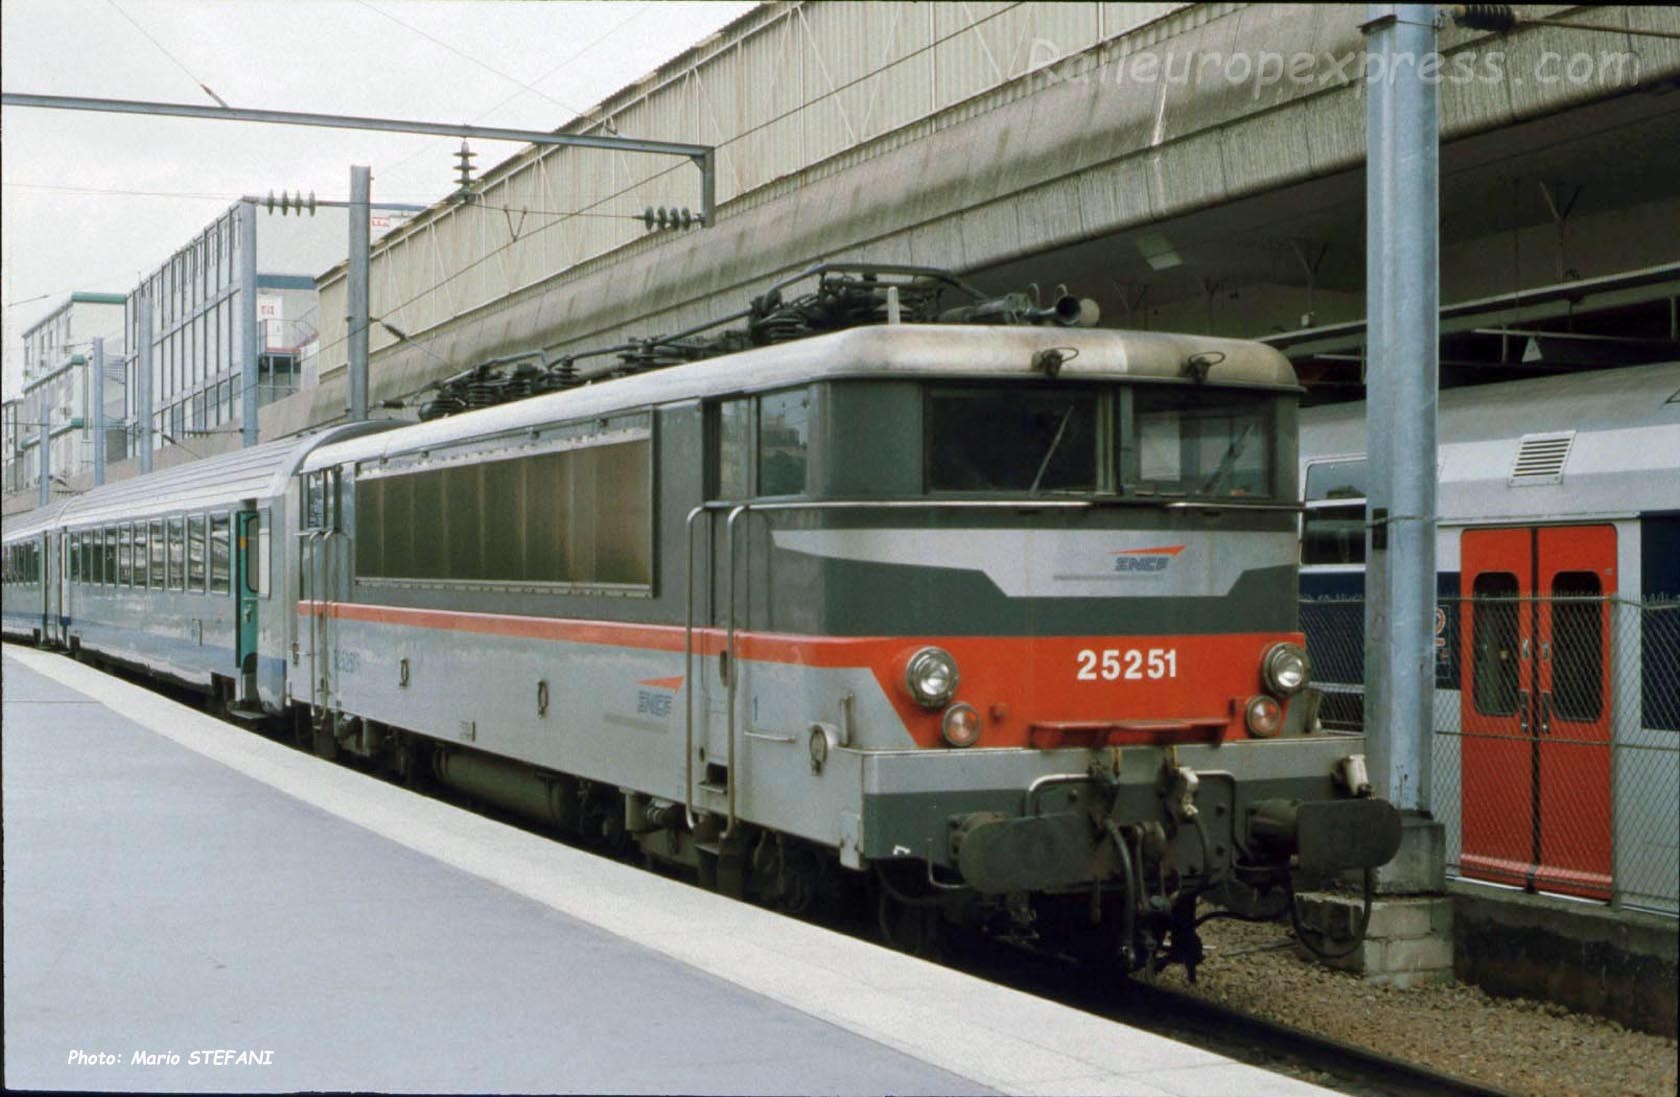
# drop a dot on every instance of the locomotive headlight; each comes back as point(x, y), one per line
point(1263, 715)
point(961, 725)
point(931, 677)
point(1285, 668)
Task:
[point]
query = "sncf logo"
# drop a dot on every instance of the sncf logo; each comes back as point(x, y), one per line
point(1143, 560)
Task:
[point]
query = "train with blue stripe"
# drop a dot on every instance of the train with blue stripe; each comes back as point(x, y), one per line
point(972, 606)
point(1557, 630)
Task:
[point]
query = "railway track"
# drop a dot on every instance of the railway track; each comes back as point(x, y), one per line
point(1335, 1064)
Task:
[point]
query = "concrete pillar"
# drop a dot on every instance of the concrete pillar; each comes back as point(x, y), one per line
point(251, 342)
point(97, 396)
point(1408, 940)
point(1402, 315)
point(45, 461)
point(357, 291)
point(143, 381)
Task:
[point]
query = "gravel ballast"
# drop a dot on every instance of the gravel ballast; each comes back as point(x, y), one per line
point(1511, 1044)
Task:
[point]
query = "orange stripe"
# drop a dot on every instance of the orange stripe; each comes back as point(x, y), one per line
point(1015, 682)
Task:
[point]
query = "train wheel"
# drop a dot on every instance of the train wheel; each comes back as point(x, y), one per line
point(322, 740)
point(910, 928)
point(799, 879)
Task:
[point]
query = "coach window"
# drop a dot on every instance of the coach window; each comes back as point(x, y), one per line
point(734, 449)
point(784, 438)
point(195, 553)
point(220, 554)
point(1333, 527)
point(142, 554)
point(177, 554)
point(125, 556)
point(111, 556)
point(1494, 639)
point(1577, 610)
point(75, 555)
point(158, 556)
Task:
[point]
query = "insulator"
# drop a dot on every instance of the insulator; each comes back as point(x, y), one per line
point(1499, 18)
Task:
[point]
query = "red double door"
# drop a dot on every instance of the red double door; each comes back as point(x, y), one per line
point(1535, 667)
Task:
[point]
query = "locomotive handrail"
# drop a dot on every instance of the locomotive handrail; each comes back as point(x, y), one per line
point(304, 537)
point(688, 668)
point(905, 504)
point(733, 664)
point(1174, 503)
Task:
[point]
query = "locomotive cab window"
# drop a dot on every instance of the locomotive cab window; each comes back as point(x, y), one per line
point(734, 449)
point(1201, 442)
point(1011, 439)
point(784, 439)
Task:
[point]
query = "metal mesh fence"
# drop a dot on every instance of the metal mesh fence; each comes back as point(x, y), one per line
point(1556, 737)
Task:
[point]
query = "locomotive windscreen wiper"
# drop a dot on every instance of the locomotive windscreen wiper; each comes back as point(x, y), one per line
point(1044, 465)
point(1228, 462)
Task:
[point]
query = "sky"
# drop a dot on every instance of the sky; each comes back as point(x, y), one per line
point(96, 201)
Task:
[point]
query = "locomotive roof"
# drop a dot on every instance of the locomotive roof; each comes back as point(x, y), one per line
point(954, 352)
point(258, 472)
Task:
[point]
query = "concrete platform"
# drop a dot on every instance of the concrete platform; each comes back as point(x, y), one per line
point(176, 886)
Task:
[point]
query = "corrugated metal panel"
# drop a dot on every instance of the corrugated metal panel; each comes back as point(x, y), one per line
point(259, 472)
point(788, 86)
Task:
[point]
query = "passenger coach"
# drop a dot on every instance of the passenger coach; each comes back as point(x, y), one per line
point(1558, 623)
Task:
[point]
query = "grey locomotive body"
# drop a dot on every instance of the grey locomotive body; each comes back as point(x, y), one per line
point(1003, 617)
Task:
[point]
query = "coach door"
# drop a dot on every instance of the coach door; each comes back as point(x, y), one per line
point(246, 593)
point(1535, 758)
point(51, 597)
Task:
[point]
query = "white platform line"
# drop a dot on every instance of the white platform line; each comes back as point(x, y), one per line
point(997, 1037)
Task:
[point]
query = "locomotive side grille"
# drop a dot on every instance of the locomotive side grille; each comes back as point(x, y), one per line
point(1540, 458)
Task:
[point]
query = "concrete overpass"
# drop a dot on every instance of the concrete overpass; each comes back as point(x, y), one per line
point(1192, 166)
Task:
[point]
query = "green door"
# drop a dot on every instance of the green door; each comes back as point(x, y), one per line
point(246, 584)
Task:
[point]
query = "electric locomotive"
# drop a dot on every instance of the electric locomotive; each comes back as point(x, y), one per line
point(976, 603)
